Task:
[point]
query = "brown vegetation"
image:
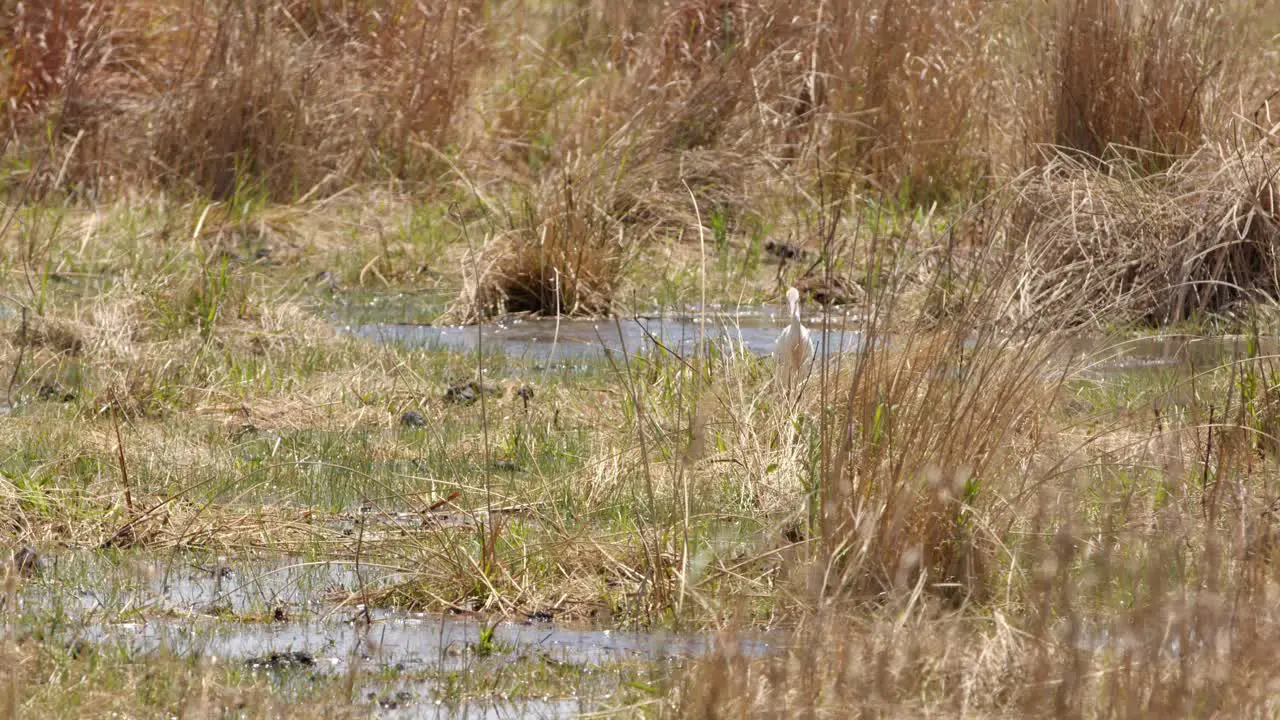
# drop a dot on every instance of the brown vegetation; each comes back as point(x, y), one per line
point(1107, 246)
point(1131, 77)
point(743, 102)
point(562, 258)
point(951, 517)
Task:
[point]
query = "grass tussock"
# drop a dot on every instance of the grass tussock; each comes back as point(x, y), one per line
point(935, 434)
point(562, 254)
point(560, 264)
point(1107, 246)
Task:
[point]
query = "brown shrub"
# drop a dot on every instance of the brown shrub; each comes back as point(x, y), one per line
point(365, 86)
point(69, 66)
point(886, 92)
point(561, 259)
point(248, 109)
point(288, 97)
point(561, 255)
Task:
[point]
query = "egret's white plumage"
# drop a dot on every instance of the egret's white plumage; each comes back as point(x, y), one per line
point(794, 348)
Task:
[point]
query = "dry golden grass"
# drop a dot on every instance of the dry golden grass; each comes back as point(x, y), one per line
point(298, 99)
point(1133, 78)
point(1105, 246)
point(283, 99)
point(562, 257)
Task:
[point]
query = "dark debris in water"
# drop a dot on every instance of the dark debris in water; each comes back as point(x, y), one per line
point(244, 431)
point(282, 660)
point(24, 561)
point(390, 701)
point(541, 616)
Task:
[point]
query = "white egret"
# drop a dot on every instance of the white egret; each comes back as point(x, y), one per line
point(794, 348)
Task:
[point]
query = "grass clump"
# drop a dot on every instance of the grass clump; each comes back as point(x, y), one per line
point(1106, 246)
point(562, 263)
point(933, 433)
point(563, 255)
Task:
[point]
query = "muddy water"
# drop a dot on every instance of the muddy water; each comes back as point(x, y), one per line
point(547, 341)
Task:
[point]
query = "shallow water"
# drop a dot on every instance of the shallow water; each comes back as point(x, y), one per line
point(292, 619)
point(749, 329)
point(390, 638)
point(250, 610)
point(546, 340)
point(1184, 354)
point(96, 585)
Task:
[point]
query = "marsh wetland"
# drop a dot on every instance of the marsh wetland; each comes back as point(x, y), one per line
point(331, 558)
point(387, 359)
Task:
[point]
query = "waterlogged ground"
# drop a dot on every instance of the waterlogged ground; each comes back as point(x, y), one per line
point(290, 605)
point(302, 621)
point(296, 620)
point(331, 616)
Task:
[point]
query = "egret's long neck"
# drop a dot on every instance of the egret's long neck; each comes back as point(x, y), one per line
point(795, 312)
